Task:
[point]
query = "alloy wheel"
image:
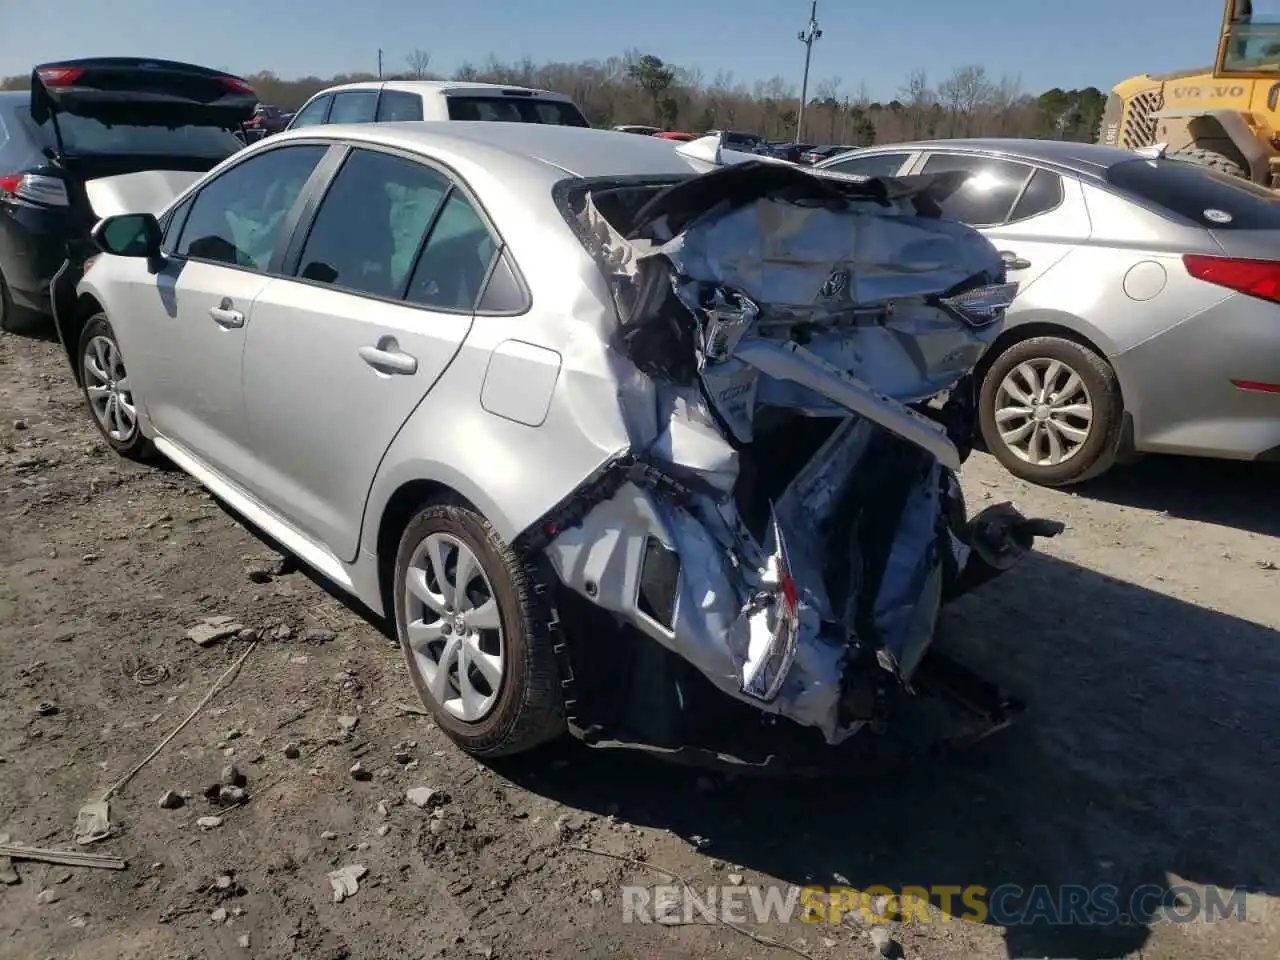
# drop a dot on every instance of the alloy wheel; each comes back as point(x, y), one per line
point(454, 627)
point(1043, 411)
point(107, 384)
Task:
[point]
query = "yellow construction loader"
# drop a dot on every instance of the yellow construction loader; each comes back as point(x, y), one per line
point(1226, 116)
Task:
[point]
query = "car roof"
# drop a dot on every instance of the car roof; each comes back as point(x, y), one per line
point(1082, 159)
point(440, 86)
point(535, 150)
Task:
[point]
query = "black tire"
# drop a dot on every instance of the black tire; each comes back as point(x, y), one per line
point(133, 445)
point(1098, 451)
point(529, 709)
point(1214, 160)
point(15, 319)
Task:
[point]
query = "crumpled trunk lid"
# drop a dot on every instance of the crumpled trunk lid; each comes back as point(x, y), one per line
point(795, 525)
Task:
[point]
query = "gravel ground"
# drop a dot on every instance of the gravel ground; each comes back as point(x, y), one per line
point(1144, 639)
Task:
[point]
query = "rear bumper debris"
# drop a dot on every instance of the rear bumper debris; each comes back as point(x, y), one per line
point(789, 537)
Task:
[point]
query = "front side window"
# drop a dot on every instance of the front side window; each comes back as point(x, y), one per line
point(877, 165)
point(986, 198)
point(354, 106)
point(238, 217)
point(451, 271)
point(1251, 42)
point(397, 105)
point(371, 223)
point(313, 113)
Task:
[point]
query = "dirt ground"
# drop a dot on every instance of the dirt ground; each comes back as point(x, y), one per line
point(1144, 638)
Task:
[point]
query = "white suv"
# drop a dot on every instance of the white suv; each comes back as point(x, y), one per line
point(393, 100)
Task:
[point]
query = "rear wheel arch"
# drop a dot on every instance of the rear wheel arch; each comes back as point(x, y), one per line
point(1029, 331)
point(404, 503)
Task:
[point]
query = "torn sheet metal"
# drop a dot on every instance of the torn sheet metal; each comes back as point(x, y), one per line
point(792, 326)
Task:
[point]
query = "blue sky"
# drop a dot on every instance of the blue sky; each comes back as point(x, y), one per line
point(1066, 43)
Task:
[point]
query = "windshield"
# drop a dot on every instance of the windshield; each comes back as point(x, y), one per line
point(516, 110)
point(1214, 200)
point(85, 137)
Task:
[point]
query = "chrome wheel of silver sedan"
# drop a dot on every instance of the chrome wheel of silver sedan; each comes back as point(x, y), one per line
point(1043, 411)
point(107, 386)
point(454, 628)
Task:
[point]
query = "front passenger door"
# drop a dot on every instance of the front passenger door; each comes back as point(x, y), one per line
point(338, 358)
point(194, 313)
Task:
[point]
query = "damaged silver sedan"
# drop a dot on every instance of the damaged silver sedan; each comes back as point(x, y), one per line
point(642, 440)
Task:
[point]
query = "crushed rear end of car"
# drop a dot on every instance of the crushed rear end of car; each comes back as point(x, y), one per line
point(780, 537)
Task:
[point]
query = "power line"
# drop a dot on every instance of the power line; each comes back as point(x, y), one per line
point(809, 34)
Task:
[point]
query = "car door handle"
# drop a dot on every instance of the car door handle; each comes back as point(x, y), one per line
point(224, 315)
point(389, 361)
point(1012, 261)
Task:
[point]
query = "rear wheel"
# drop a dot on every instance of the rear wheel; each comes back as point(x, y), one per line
point(1214, 160)
point(475, 634)
point(15, 319)
point(1050, 411)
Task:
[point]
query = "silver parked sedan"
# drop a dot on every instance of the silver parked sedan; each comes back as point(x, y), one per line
point(1148, 313)
point(517, 386)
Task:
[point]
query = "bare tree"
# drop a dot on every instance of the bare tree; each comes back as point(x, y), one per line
point(624, 89)
point(419, 62)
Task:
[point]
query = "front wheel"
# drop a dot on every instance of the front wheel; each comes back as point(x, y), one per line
point(109, 392)
point(475, 634)
point(1050, 411)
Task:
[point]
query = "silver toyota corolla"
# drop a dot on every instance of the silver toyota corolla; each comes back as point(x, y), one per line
point(1148, 312)
point(607, 429)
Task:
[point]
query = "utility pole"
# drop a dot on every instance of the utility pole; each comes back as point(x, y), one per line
point(379, 63)
point(809, 34)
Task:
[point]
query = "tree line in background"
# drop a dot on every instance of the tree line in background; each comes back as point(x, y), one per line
point(641, 88)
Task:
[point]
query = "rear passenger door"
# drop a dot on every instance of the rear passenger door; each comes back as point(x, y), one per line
point(1033, 215)
point(399, 105)
point(354, 106)
point(386, 281)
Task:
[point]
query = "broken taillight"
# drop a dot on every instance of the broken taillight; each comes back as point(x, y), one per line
point(34, 188)
point(981, 306)
point(773, 626)
point(1253, 278)
point(60, 76)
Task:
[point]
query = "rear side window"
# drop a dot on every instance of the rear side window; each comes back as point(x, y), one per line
point(1211, 199)
point(453, 266)
point(371, 224)
point(986, 198)
point(516, 110)
point(1043, 194)
point(396, 105)
point(313, 113)
point(18, 148)
point(354, 106)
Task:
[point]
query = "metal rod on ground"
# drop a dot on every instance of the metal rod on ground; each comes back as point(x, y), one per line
point(807, 36)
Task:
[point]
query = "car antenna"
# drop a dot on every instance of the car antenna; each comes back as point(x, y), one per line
point(1153, 152)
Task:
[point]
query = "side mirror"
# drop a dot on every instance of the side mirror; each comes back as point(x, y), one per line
point(128, 235)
